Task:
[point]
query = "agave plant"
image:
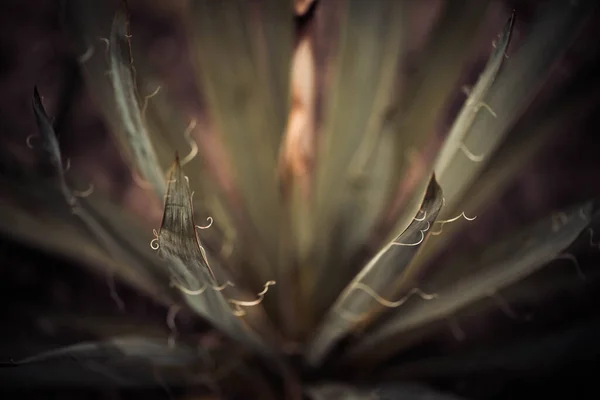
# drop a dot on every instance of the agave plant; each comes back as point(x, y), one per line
point(327, 189)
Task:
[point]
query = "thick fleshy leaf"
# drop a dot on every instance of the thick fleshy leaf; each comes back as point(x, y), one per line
point(47, 213)
point(122, 78)
point(454, 144)
point(50, 146)
point(472, 280)
point(376, 150)
point(568, 105)
point(243, 52)
point(532, 328)
point(522, 76)
point(371, 286)
point(166, 127)
point(102, 36)
point(209, 293)
point(177, 238)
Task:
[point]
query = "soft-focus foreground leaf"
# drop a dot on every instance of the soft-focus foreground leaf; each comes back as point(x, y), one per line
point(243, 52)
point(522, 76)
point(375, 151)
point(50, 146)
point(49, 215)
point(106, 58)
point(49, 225)
point(131, 361)
point(383, 392)
point(371, 286)
point(122, 77)
point(474, 279)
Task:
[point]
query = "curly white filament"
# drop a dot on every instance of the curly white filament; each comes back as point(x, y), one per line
point(238, 304)
point(394, 304)
point(147, 99)
point(470, 155)
point(202, 289)
point(347, 315)
point(194, 146)
point(423, 217)
point(154, 245)
point(210, 222)
point(488, 108)
point(422, 231)
point(443, 222)
point(411, 244)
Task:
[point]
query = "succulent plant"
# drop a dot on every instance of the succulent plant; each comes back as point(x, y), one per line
point(328, 192)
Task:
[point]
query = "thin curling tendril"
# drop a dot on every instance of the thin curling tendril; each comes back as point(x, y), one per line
point(86, 193)
point(203, 289)
point(470, 155)
point(423, 217)
point(345, 314)
point(210, 222)
point(194, 146)
point(154, 245)
point(444, 222)
point(422, 231)
point(238, 304)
